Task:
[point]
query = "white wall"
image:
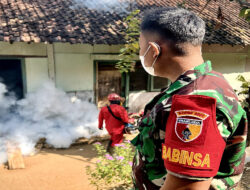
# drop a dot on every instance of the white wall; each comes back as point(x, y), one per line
point(36, 72)
point(226, 62)
point(74, 72)
point(230, 65)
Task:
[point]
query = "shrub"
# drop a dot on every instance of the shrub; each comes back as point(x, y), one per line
point(112, 170)
point(245, 103)
point(245, 91)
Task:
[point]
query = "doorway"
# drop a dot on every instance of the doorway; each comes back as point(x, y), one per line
point(108, 80)
point(11, 77)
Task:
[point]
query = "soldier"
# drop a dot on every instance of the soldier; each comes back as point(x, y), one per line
point(199, 100)
point(115, 117)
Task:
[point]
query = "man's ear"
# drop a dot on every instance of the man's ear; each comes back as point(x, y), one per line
point(156, 49)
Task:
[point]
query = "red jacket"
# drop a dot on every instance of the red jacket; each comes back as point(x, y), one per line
point(113, 125)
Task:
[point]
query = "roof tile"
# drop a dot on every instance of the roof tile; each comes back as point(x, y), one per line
point(62, 21)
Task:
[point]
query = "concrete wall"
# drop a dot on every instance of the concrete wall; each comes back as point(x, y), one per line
point(230, 61)
point(36, 70)
point(74, 67)
point(226, 63)
point(74, 72)
point(23, 49)
point(71, 67)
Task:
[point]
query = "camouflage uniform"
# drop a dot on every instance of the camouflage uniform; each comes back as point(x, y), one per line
point(148, 167)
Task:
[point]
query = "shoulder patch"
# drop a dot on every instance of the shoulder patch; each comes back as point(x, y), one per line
point(193, 144)
point(188, 125)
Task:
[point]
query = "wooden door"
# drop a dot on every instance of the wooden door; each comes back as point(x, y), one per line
point(109, 81)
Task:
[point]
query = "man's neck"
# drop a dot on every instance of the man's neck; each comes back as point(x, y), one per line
point(183, 64)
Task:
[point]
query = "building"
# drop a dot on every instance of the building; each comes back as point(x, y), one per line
point(76, 43)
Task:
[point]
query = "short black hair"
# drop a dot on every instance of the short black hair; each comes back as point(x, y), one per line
point(176, 25)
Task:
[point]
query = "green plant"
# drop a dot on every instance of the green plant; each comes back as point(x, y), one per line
point(245, 91)
point(245, 86)
point(112, 170)
point(245, 13)
point(130, 50)
point(245, 9)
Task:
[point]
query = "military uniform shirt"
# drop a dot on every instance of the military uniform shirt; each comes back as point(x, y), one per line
point(148, 166)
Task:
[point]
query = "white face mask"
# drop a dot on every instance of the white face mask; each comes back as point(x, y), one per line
point(150, 70)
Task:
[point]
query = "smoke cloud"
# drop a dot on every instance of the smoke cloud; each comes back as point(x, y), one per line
point(47, 113)
point(104, 5)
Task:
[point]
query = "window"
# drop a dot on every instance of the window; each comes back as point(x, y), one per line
point(141, 80)
point(138, 79)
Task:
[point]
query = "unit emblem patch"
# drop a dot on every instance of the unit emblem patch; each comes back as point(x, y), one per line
point(188, 124)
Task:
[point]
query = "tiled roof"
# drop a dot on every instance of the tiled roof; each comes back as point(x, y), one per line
point(100, 22)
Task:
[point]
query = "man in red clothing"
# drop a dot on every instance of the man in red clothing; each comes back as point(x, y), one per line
point(115, 117)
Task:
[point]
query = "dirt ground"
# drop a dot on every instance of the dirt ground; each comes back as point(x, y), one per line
point(51, 169)
point(62, 169)
point(245, 184)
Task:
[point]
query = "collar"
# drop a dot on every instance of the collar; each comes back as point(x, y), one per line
point(186, 78)
point(189, 76)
